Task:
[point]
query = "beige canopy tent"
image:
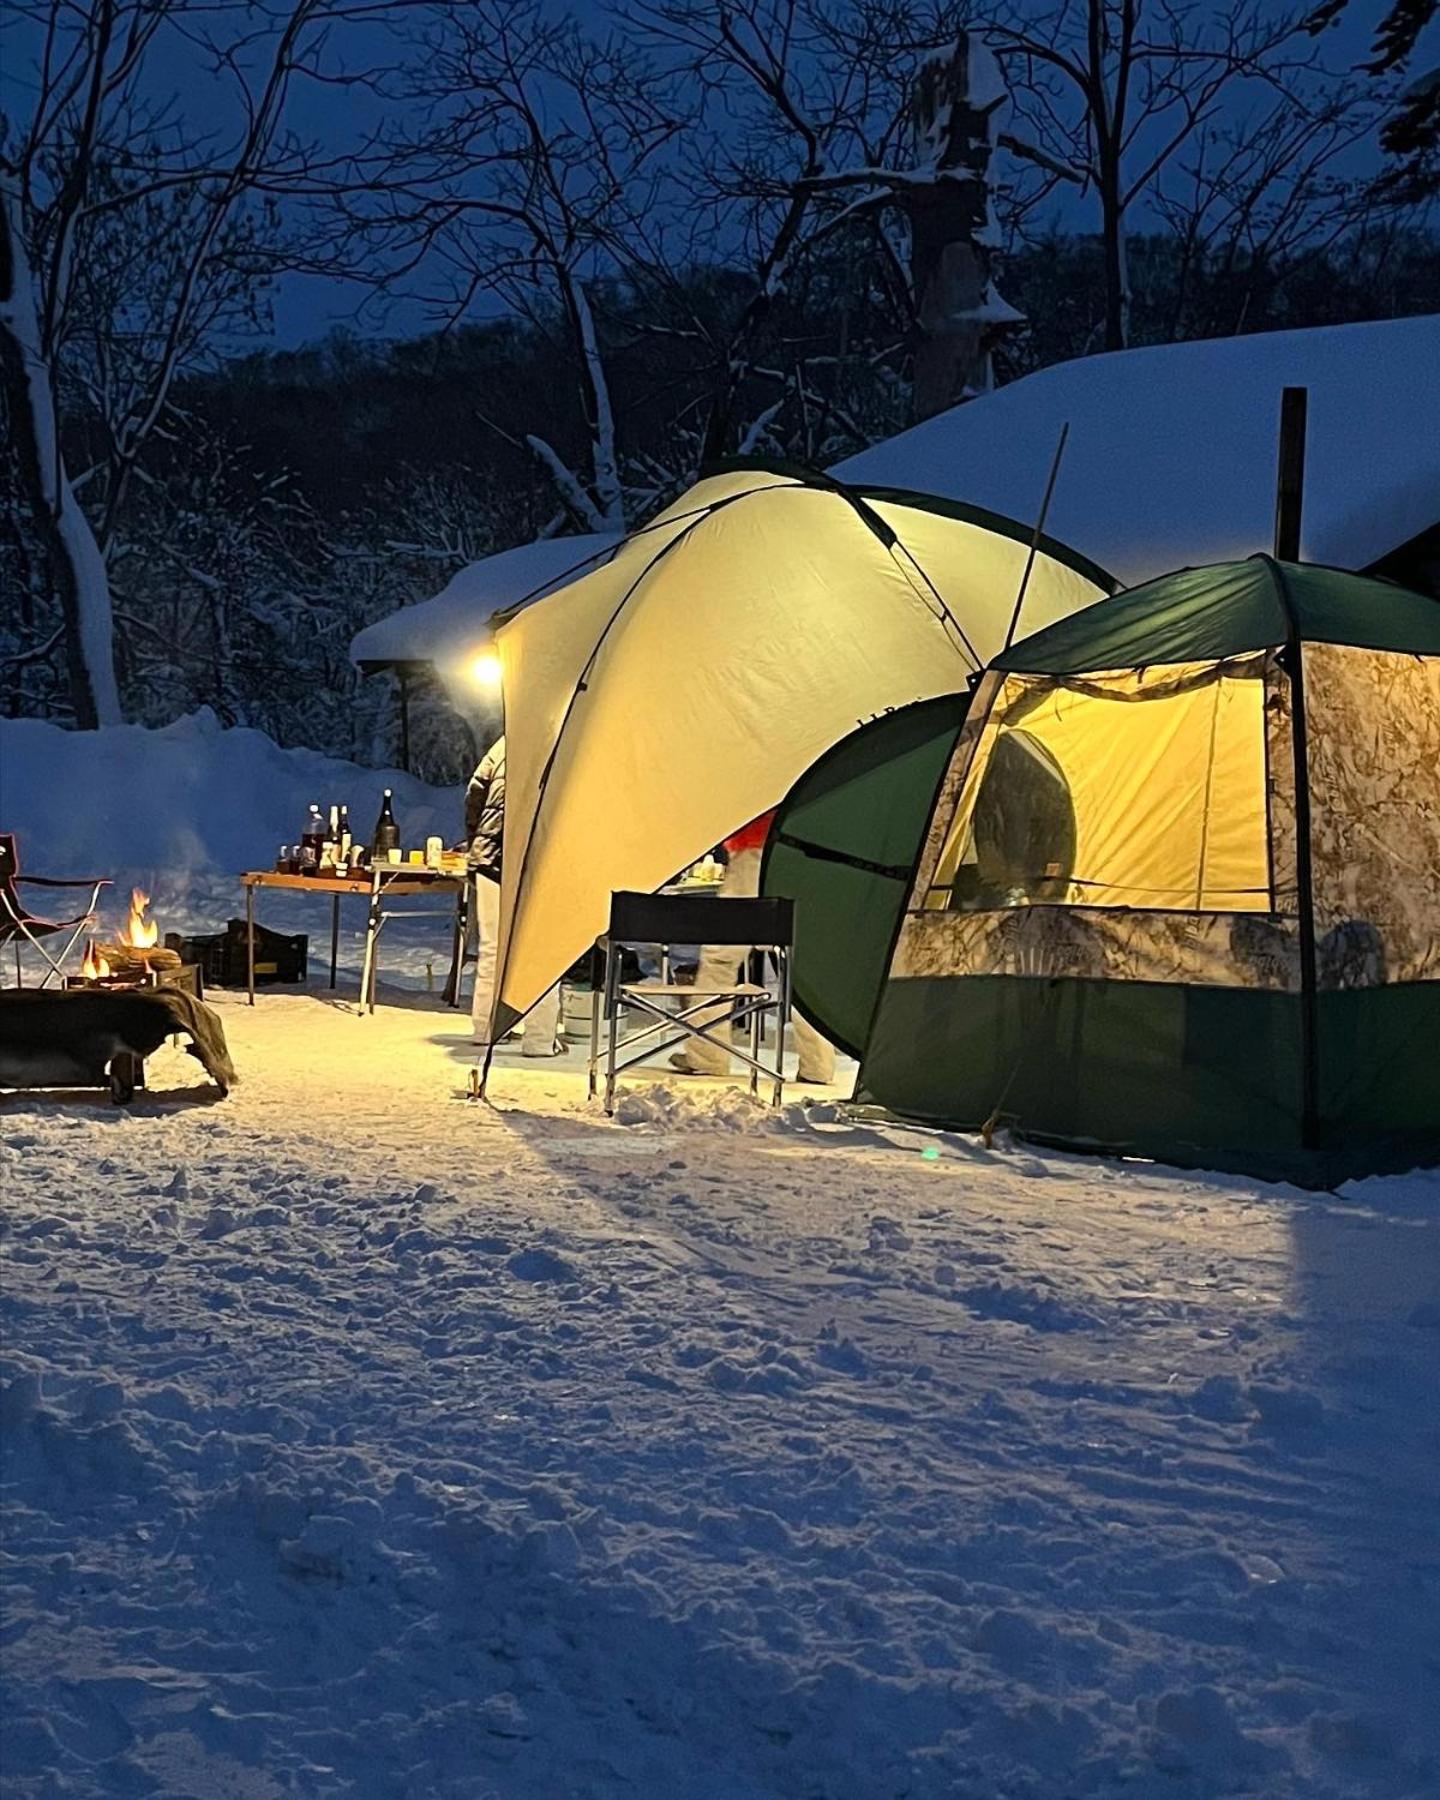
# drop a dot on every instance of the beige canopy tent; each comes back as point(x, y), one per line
point(657, 704)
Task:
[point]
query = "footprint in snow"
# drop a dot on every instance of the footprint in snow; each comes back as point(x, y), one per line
point(540, 1265)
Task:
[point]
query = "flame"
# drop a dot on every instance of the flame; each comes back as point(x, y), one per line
point(95, 967)
point(140, 933)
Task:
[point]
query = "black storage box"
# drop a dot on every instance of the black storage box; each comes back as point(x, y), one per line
point(222, 955)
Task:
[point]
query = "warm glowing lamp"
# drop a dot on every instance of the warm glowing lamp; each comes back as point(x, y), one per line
point(485, 670)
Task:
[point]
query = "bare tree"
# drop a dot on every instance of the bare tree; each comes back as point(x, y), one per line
point(128, 232)
point(1249, 208)
point(1410, 135)
point(828, 124)
point(527, 152)
point(1115, 92)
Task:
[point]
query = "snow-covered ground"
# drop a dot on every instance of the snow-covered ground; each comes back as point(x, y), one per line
point(182, 810)
point(360, 1440)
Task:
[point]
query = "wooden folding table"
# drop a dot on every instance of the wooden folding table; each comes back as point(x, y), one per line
point(378, 885)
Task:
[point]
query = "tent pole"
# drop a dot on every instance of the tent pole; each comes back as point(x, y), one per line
point(1305, 900)
point(1039, 533)
point(1292, 660)
point(1290, 475)
point(1289, 500)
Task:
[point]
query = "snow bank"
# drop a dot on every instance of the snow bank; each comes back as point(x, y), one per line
point(736, 1112)
point(445, 630)
point(1170, 461)
point(183, 809)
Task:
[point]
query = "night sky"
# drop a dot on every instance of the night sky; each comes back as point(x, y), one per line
point(305, 308)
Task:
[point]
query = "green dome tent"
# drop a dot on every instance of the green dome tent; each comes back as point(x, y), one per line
point(843, 847)
point(1180, 891)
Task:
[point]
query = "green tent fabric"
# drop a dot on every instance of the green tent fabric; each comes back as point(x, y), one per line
point(1198, 615)
point(843, 846)
point(1225, 949)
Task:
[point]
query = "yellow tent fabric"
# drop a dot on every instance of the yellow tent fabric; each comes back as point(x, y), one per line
point(1165, 774)
point(661, 702)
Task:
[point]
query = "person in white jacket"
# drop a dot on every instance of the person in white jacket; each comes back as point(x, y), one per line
point(484, 832)
point(718, 963)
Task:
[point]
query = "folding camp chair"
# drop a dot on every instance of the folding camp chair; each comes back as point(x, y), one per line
point(638, 920)
point(18, 925)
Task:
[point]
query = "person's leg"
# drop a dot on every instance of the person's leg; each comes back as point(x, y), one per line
point(542, 1026)
point(696, 1056)
point(817, 1054)
point(487, 925)
point(718, 966)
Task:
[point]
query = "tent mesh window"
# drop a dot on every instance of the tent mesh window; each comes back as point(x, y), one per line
point(1136, 789)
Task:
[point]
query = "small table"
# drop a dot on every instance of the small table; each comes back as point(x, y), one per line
point(385, 881)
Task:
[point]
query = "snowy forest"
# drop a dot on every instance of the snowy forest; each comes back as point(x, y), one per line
point(573, 257)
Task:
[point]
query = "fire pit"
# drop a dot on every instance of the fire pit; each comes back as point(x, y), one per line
point(136, 958)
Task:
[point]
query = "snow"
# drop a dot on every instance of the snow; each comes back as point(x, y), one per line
point(357, 1439)
point(1170, 462)
point(180, 811)
point(448, 629)
point(361, 1440)
point(986, 87)
point(1171, 459)
point(992, 310)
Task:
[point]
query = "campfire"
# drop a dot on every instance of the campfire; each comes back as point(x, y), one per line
point(140, 934)
point(95, 966)
point(136, 956)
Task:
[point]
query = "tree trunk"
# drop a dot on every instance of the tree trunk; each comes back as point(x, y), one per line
point(954, 116)
point(78, 568)
point(1117, 265)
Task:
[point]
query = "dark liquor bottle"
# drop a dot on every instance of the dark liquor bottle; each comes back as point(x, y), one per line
point(347, 843)
point(312, 840)
point(387, 832)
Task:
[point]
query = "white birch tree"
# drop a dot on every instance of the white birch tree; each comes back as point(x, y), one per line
point(98, 165)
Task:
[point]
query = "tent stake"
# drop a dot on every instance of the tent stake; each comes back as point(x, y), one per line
point(1039, 533)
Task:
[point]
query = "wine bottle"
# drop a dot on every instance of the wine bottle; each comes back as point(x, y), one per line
point(312, 838)
point(387, 832)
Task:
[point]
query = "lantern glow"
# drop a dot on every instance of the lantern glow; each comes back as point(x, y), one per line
point(485, 671)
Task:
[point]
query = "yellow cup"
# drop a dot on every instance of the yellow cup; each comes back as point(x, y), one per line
point(418, 858)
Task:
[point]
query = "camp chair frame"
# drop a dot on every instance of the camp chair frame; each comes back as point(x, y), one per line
point(18, 925)
point(665, 919)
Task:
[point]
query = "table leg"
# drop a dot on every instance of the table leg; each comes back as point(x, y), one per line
point(457, 953)
point(334, 937)
point(372, 933)
point(250, 941)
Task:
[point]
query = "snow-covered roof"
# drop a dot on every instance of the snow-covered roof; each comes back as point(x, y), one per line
point(447, 628)
point(1172, 450)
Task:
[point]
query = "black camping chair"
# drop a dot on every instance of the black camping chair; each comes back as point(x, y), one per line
point(644, 919)
point(20, 926)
